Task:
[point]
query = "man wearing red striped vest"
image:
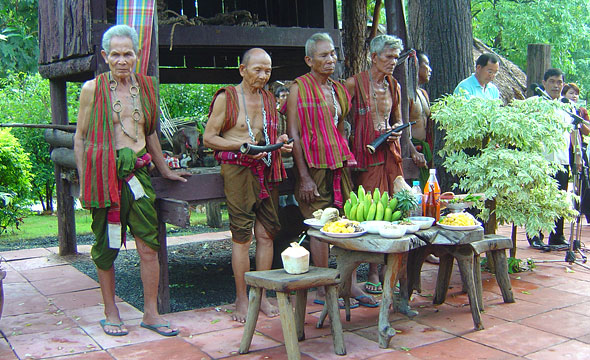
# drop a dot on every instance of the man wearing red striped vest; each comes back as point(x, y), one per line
point(316, 107)
point(242, 114)
point(115, 143)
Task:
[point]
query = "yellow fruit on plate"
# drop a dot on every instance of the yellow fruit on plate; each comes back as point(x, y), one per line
point(458, 219)
point(343, 226)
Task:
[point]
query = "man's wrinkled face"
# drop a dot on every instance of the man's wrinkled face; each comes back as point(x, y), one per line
point(572, 95)
point(486, 74)
point(553, 86)
point(424, 71)
point(386, 61)
point(257, 71)
point(323, 60)
point(121, 57)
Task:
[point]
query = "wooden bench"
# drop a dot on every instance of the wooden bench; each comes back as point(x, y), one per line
point(283, 283)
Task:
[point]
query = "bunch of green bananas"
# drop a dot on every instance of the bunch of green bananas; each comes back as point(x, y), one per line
point(366, 207)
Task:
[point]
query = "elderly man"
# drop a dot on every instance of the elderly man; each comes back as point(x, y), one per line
point(479, 84)
point(316, 107)
point(114, 144)
point(247, 113)
point(376, 108)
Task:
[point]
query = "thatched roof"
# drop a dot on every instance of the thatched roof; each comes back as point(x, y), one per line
point(510, 80)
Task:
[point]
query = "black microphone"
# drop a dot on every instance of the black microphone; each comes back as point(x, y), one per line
point(538, 90)
point(576, 119)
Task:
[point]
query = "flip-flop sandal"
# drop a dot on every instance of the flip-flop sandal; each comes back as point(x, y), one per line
point(376, 286)
point(156, 327)
point(367, 304)
point(104, 323)
point(322, 302)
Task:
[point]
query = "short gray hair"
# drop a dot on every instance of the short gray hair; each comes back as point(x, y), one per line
point(310, 44)
point(379, 43)
point(120, 31)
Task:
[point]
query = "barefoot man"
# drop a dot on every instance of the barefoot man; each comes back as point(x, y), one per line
point(316, 107)
point(248, 114)
point(114, 144)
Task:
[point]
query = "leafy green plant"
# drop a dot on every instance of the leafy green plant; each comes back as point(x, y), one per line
point(19, 47)
point(15, 180)
point(515, 265)
point(504, 158)
point(406, 202)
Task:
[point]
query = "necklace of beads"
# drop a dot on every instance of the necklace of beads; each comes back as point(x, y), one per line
point(118, 107)
point(335, 102)
point(267, 159)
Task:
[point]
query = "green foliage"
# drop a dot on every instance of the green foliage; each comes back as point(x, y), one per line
point(18, 36)
point(509, 26)
point(15, 180)
point(406, 202)
point(515, 265)
point(508, 165)
point(24, 98)
point(189, 100)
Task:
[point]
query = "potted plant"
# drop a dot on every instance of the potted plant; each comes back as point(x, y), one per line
point(498, 150)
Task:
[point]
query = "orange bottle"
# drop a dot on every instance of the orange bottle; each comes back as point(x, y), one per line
point(431, 203)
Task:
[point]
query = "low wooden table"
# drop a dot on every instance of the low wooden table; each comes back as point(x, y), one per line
point(350, 252)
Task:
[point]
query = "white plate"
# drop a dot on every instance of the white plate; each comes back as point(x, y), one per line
point(314, 223)
point(455, 227)
point(345, 235)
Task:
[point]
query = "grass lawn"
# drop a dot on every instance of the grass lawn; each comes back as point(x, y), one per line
point(39, 226)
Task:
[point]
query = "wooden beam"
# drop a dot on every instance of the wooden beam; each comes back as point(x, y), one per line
point(65, 202)
point(67, 67)
point(224, 76)
point(172, 211)
point(58, 138)
point(63, 157)
point(239, 36)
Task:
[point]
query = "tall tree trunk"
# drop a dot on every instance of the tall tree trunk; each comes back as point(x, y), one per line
point(354, 26)
point(442, 28)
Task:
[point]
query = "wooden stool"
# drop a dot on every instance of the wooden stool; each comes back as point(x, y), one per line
point(495, 245)
point(467, 256)
point(283, 283)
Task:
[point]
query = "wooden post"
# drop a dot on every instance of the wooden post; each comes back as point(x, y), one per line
point(538, 61)
point(213, 211)
point(66, 221)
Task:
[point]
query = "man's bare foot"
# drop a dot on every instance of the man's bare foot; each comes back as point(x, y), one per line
point(159, 325)
point(241, 311)
point(267, 308)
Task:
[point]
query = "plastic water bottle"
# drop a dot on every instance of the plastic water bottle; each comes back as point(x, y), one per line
point(417, 191)
point(431, 204)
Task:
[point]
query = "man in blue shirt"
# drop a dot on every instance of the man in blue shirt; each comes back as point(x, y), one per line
point(479, 84)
